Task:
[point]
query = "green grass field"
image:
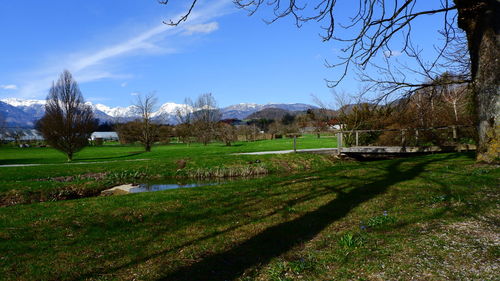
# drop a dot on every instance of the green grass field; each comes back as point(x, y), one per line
point(312, 217)
point(124, 164)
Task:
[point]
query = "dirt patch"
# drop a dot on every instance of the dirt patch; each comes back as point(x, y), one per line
point(466, 250)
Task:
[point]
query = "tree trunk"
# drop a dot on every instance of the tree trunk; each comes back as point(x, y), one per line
point(147, 147)
point(479, 19)
point(70, 156)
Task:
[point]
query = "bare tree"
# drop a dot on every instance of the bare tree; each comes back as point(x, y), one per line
point(453, 94)
point(319, 117)
point(184, 112)
point(145, 106)
point(205, 116)
point(250, 132)
point(276, 129)
point(68, 122)
point(377, 24)
point(226, 133)
point(184, 128)
point(128, 132)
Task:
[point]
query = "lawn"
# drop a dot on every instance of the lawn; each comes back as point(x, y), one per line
point(115, 152)
point(126, 163)
point(430, 217)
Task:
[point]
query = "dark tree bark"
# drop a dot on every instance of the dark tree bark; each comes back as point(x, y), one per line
point(68, 122)
point(480, 21)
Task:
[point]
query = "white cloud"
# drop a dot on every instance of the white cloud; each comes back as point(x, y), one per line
point(202, 28)
point(389, 54)
point(124, 84)
point(135, 94)
point(8, 87)
point(92, 65)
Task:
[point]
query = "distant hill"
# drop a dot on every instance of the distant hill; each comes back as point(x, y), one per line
point(270, 113)
point(244, 110)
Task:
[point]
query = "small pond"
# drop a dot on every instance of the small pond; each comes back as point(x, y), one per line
point(159, 187)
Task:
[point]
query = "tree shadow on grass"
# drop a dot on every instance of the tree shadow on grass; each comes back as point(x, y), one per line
point(159, 233)
point(130, 154)
point(62, 159)
point(277, 240)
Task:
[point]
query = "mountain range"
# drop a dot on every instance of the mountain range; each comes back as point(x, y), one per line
point(24, 113)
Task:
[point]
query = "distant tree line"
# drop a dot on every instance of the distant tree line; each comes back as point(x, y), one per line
point(68, 122)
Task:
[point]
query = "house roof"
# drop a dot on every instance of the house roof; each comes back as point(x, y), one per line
point(24, 134)
point(104, 135)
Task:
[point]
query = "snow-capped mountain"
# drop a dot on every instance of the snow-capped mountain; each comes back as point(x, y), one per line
point(13, 116)
point(171, 108)
point(22, 102)
point(117, 112)
point(21, 112)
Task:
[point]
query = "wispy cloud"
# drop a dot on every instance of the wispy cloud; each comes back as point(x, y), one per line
point(202, 28)
point(8, 87)
point(97, 99)
point(389, 54)
point(94, 65)
point(124, 84)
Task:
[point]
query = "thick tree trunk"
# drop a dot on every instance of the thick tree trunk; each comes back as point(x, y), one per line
point(480, 21)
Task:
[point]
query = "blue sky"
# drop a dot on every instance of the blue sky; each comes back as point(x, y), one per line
point(118, 48)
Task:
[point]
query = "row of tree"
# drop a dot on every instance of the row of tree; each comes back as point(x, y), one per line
point(68, 122)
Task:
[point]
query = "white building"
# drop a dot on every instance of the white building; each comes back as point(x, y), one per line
point(107, 136)
point(21, 134)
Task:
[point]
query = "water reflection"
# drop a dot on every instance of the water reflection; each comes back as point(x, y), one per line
point(159, 187)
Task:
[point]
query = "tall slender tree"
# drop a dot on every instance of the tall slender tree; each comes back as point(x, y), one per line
point(68, 122)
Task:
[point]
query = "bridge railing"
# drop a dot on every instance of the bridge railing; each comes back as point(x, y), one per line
point(414, 136)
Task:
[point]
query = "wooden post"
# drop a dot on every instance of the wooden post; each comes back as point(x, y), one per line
point(416, 136)
point(357, 138)
point(339, 142)
point(294, 143)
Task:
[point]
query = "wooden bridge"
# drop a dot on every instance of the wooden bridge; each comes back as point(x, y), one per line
point(355, 150)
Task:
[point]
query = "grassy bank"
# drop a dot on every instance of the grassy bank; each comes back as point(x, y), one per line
point(98, 168)
point(432, 217)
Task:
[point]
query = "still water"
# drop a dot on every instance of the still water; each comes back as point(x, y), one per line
point(158, 187)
